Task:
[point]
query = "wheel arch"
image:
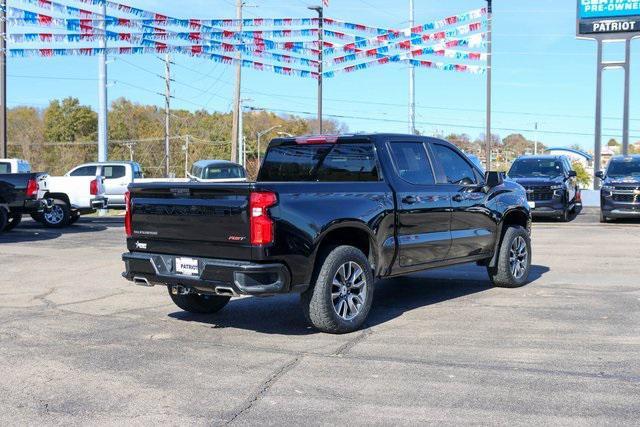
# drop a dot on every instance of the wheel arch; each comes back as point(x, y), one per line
point(350, 233)
point(512, 217)
point(59, 196)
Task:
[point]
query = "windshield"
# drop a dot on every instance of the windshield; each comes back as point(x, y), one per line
point(5, 167)
point(624, 168)
point(534, 168)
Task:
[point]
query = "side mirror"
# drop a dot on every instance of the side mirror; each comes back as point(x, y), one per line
point(573, 174)
point(600, 174)
point(493, 179)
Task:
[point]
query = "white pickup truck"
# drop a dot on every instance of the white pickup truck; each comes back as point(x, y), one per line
point(118, 175)
point(72, 196)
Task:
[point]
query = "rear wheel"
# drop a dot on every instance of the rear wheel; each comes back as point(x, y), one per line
point(58, 216)
point(341, 297)
point(4, 219)
point(13, 222)
point(514, 259)
point(75, 216)
point(199, 304)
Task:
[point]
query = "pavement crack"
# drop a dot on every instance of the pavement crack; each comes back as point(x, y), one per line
point(263, 388)
point(346, 347)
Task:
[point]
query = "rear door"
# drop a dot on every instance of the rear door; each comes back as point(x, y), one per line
point(423, 207)
point(116, 180)
point(472, 227)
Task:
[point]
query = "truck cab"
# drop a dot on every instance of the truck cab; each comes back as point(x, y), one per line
point(551, 185)
point(620, 192)
point(117, 177)
point(14, 166)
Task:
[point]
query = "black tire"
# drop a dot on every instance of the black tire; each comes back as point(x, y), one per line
point(37, 217)
point(503, 275)
point(566, 216)
point(199, 304)
point(14, 221)
point(321, 304)
point(59, 215)
point(75, 216)
point(4, 219)
point(603, 218)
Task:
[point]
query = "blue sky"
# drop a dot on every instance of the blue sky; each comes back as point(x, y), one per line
point(542, 74)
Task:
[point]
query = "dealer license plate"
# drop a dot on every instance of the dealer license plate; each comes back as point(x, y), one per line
point(532, 205)
point(187, 266)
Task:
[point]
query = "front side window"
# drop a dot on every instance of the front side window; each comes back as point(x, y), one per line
point(113, 172)
point(85, 171)
point(456, 168)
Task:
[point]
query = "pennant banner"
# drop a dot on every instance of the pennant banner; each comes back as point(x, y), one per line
point(442, 66)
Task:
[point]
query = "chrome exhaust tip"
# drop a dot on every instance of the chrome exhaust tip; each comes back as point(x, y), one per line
point(142, 281)
point(226, 291)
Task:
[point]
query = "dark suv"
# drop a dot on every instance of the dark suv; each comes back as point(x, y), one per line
point(620, 193)
point(551, 185)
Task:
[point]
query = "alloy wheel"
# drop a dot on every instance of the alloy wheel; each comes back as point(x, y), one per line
point(349, 290)
point(518, 257)
point(55, 215)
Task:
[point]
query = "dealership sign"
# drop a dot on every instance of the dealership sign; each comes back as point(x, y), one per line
point(613, 17)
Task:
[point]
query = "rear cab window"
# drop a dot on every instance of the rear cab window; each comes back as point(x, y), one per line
point(329, 162)
point(5, 167)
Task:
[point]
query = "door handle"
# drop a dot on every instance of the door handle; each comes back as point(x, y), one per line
point(410, 200)
point(458, 198)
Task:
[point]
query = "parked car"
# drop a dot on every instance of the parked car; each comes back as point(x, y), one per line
point(72, 196)
point(118, 175)
point(551, 185)
point(326, 217)
point(620, 192)
point(217, 170)
point(20, 194)
point(14, 166)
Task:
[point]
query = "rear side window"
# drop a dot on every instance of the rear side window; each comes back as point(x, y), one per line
point(456, 168)
point(113, 172)
point(412, 163)
point(5, 167)
point(84, 171)
point(322, 162)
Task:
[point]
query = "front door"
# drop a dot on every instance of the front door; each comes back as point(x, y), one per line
point(473, 229)
point(423, 206)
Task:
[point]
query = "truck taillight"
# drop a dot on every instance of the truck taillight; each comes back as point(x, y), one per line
point(260, 223)
point(93, 187)
point(32, 188)
point(128, 229)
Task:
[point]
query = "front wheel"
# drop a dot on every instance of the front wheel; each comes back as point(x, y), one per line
point(58, 216)
point(603, 218)
point(341, 297)
point(13, 222)
point(199, 304)
point(4, 218)
point(514, 259)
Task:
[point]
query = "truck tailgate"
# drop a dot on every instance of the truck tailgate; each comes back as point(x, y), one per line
point(197, 219)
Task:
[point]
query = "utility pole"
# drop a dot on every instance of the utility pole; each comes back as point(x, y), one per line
point(167, 113)
point(535, 142)
point(320, 11)
point(488, 137)
point(240, 134)
point(4, 151)
point(186, 155)
point(412, 75)
point(237, 120)
point(103, 148)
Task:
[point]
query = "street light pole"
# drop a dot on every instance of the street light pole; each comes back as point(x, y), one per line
point(488, 138)
point(320, 11)
point(263, 133)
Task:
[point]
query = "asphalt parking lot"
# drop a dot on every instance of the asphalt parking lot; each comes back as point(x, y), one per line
point(80, 345)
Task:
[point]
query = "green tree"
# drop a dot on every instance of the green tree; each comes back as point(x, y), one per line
point(68, 121)
point(584, 179)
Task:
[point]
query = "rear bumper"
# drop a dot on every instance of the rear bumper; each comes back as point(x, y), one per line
point(215, 276)
point(31, 206)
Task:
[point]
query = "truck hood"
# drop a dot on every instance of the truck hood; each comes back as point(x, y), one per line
point(537, 182)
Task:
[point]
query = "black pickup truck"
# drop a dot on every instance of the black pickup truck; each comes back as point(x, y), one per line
point(620, 192)
point(19, 196)
point(326, 217)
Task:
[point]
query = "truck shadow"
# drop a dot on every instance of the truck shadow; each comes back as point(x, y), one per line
point(32, 231)
point(282, 315)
